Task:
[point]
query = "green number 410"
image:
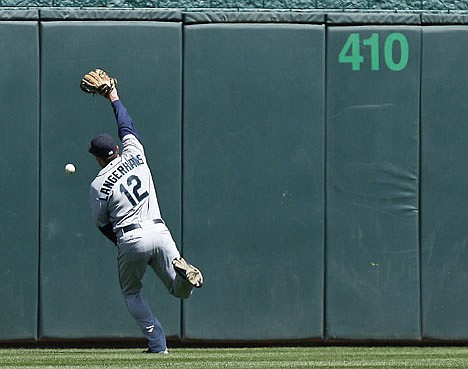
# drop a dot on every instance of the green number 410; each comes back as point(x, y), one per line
point(351, 51)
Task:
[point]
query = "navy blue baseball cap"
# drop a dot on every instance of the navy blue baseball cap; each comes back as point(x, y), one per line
point(103, 146)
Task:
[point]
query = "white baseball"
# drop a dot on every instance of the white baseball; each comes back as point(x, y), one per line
point(70, 168)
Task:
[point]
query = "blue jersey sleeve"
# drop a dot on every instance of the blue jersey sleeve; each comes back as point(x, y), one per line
point(124, 121)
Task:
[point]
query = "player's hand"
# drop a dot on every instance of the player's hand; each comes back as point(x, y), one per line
point(113, 95)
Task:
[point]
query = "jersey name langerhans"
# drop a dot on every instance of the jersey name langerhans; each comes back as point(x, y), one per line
point(119, 172)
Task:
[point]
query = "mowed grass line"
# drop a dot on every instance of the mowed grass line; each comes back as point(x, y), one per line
point(240, 358)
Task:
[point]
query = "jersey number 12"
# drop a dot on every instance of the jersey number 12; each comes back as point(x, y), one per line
point(134, 183)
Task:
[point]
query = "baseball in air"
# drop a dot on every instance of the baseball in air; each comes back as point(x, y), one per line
point(70, 168)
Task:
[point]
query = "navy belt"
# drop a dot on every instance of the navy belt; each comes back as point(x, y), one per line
point(131, 227)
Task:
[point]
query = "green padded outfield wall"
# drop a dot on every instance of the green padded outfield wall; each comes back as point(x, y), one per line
point(19, 153)
point(80, 295)
point(253, 175)
point(373, 80)
point(444, 178)
point(311, 164)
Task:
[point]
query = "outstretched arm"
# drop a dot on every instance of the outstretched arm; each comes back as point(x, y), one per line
point(124, 121)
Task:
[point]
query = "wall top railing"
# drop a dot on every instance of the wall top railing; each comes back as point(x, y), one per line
point(198, 16)
point(431, 5)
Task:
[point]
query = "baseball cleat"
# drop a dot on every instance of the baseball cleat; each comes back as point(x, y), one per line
point(165, 352)
point(188, 272)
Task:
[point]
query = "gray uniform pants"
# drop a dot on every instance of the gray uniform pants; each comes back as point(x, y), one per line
point(150, 245)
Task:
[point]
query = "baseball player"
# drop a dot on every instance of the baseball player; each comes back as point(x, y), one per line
point(125, 209)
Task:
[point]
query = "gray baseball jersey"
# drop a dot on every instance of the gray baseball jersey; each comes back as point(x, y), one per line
point(123, 192)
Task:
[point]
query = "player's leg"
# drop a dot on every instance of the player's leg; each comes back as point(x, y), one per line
point(149, 325)
point(165, 252)
point(132, 262)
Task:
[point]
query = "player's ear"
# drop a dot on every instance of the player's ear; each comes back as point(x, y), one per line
point(101, 161)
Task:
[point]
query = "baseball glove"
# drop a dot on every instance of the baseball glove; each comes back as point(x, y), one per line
point(97, 81)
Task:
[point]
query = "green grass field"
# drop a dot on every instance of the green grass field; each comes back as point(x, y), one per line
point(240, 358)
